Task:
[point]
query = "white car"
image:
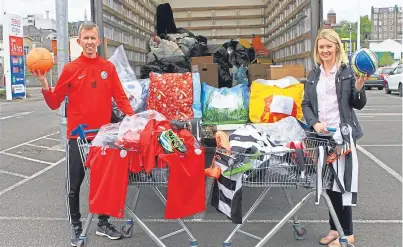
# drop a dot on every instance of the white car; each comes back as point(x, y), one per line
point(395, 80)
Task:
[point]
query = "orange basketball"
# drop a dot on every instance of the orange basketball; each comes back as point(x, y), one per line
point(39, 59)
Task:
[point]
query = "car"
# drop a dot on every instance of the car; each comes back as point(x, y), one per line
point(395, 80)
point(376, 80)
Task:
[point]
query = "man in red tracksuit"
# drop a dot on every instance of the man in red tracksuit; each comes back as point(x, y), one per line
point(90, 83)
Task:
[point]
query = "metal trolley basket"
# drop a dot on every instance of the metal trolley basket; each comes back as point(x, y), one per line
point(283, 170)
point(157, 178)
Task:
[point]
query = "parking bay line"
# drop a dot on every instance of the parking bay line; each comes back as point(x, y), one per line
point(22, 144)
point(31, 177)
point(26, 158)
point(148, 220)
point(382, 145)
point(380, 163)
point(379, 114)
point(13, 174)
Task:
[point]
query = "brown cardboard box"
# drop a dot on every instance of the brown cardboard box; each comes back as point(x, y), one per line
point(201, 60)
point(276, 72)
point(209, 74)
point(257, 71)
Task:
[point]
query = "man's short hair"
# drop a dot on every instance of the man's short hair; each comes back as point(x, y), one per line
point(87, 25)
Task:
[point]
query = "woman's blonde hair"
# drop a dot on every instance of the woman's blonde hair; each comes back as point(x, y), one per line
point(333, 37)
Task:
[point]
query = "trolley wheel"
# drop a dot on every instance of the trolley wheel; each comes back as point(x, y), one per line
point(227, 244)
point(127, 229)
point(193, 243)
point(299, 232)
point(81, 243)
point(350, 245)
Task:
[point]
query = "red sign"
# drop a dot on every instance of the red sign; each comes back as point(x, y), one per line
point(16, 46)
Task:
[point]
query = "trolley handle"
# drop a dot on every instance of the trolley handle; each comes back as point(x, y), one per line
point(81, 132)
point(305, 126)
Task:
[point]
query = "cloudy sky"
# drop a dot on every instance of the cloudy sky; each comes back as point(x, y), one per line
point(76, 8)
point(345, 9)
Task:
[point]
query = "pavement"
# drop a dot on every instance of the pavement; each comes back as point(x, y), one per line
point(33, 210)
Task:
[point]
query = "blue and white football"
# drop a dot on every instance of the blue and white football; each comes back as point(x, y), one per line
point(364, 62)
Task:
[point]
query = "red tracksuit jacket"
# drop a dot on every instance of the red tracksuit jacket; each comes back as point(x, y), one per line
point(90, 84)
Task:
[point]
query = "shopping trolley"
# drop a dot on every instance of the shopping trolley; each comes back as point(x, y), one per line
point(285, 169)
point(156, 179)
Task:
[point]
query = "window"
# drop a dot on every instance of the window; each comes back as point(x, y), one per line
point(399, 21)
point(376, 10)
point(375, 16)
point(375, 23)
point(391, 22)
point(385, 35)
point(385, 15)
point(391, 28)
point(375, 29)
point(380, 23)
point(391, 36)
point(384, 28)
point(380, 16)
point(391, 15)
point(375, 36)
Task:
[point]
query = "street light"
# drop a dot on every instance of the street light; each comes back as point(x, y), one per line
point(359, 27)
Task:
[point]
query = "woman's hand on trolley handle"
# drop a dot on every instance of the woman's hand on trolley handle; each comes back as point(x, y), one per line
point(321, 128)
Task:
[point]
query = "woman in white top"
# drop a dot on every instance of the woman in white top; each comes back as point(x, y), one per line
point(331, 93)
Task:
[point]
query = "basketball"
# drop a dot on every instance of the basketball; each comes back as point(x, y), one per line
point(364, 62)
point(39, 59)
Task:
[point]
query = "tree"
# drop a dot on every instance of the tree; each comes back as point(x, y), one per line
point(366, 28)
point(344, 30)
point(386, 59)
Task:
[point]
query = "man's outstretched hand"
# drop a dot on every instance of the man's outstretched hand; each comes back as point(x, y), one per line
point(41, 78)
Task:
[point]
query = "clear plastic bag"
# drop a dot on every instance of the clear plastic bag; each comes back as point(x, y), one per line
point(131, 126)
point(197, 106)
point(106, 136)
point(136, 90)
point(125, 134)
point(285, 131)
point(119, 59)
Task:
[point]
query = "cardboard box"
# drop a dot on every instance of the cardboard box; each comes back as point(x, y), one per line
point(276, 72)
point(257, 71)
point(201, 60)
point(209, 74)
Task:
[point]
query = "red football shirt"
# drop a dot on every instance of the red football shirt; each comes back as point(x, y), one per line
point(186, 185)
point(108, 180)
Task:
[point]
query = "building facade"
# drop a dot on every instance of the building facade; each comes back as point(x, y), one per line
point(386, 23)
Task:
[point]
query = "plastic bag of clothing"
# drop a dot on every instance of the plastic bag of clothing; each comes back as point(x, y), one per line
point(225, 105)
point(184, 31)
point(176, 64)
point(285, 131)
point(131, 126)
point(199, 50)
point(201, 39)
point(241, 76)
point(119, 59)
point(127, 77)
point(229, 55)
point(161, 48)
point(137, 92)
point(165, 19)
point(197, 106)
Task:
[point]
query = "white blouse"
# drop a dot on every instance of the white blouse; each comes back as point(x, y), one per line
point(328, 104)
